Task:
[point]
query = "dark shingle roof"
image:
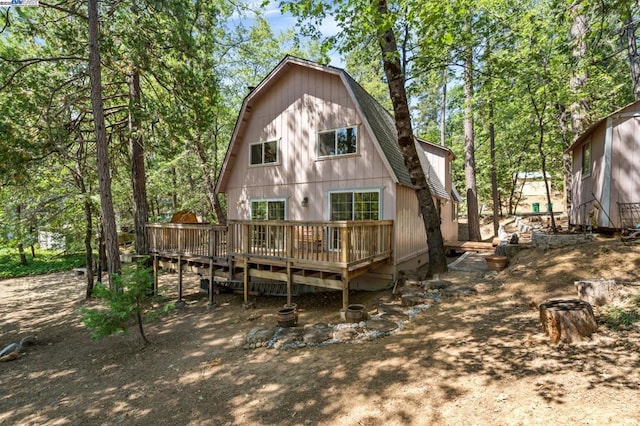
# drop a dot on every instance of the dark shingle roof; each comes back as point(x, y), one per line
point(383, 126)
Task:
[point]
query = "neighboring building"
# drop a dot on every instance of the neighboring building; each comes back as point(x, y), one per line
point(310, 144)
point(51, 241)
point(606, 169)
point(533, 191)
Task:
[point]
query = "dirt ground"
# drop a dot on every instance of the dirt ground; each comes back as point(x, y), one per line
point(475, 360)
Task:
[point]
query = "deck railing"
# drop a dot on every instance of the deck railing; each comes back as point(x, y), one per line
point(341, 242)
point(194, 240)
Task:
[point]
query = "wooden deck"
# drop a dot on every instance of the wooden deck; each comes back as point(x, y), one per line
point(465, 246)
point(322, 254)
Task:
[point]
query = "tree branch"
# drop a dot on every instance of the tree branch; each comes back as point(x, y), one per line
point(62, 9)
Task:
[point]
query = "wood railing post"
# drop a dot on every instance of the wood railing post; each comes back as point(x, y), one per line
point(288, 244)
point(212, 242)
point(344, 244)
point(245, 238)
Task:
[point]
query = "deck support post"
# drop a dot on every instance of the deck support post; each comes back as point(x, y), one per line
point(179, 278)
point(345, 289)
point(211, 274)
point(246, 280)
point(289, 281)
point(156, 268)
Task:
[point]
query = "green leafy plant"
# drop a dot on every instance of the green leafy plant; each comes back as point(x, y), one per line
point(623, 318)
point(45, 262)
point(126, 302)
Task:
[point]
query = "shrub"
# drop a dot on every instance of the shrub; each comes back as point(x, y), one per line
point(127, 301)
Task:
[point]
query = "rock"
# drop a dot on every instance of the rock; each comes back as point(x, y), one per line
point(313, 336)
point(13, 347)
point(259, 335)
point(409, 300)
point(345, 334)
point(411, 291)
point(394, 316)
point(381, 325)
point(387, 308)
point(28, 341)
point(438, 284)
point(10, 356)
point(460, 292)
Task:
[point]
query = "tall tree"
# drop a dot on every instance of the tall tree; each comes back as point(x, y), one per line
point(471, 188)
point(136, 155)
point(102, 144)
point(378, 22)
point(395, 78)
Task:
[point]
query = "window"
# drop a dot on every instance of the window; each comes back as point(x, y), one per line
point(263, 153)
point(586, 159)
point(337, 142)
point(268, 210)
point(364, 205)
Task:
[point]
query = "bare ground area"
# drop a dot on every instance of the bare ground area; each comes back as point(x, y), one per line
point(480, 359)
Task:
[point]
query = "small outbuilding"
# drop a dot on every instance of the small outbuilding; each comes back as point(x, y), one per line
point(606, 170)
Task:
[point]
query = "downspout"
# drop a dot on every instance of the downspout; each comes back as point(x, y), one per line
point(606, 184)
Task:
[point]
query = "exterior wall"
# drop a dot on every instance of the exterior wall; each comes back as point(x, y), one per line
point(409, 233)
point(297, 106)
point(625, 165)
point(441, 163)
point(615, 176)
point(584, 205)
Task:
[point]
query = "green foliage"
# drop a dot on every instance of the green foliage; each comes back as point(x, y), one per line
point(623, 318)
point(128, 301)
point(45, 262)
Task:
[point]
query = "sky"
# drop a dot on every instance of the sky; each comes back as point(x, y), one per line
point(281, 22)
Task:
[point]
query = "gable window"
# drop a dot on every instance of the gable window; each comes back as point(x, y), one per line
point(268, 210)
point(586, 159)
point(354, 205)
point(338, 142)
point(263, 153)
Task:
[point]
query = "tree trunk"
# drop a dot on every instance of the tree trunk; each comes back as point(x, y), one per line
point(579, 109)
point(174, 189)
point(543, 160)
point(443, 109)
point(88, 237)
point(138, 178)
point(632, 54)
point(102, 253)
point(473, 217)
point(396, 82)
point(494, 173)
point(567, 320)
point(23, 256)
point(597, 292)
point(141, 327)
point(102, 151)
point(78, 177)
point(209, 183)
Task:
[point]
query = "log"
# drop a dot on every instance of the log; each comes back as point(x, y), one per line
point(567, 320)
point(597, 292)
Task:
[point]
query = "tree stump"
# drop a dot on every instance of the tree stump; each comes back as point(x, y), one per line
point(567, 320)
point(597, 292)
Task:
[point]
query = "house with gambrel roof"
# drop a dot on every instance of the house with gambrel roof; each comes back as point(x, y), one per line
point(310, 144)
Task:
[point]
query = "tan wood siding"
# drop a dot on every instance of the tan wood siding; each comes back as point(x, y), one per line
point(410, 236)
point(625, 165)
point(292, 111)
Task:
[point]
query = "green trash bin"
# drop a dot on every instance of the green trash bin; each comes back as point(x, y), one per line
point(549, 207)
point(536, 207)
